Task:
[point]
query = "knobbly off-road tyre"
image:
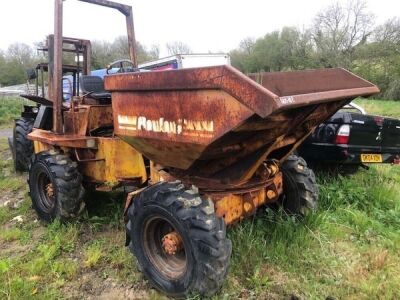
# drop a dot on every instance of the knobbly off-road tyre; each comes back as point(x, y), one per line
point(55, 186)
point(201, 267)
point(22, 148)
point(300, 190)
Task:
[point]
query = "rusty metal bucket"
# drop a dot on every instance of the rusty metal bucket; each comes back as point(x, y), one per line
point(217, 123)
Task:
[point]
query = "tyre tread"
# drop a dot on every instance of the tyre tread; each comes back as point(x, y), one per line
point(23, 146)
point(68, 183)
point(304, 184)
point(207, 232)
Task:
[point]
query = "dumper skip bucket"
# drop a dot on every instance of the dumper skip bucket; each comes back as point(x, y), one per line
point(216, 122)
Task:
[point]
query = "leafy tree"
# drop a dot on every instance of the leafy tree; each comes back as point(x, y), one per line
point(14, 62)
point(379, 60)
point(340, 36)
point(287, 49)
point(2, 63)
point(267, 52)
point(243, 58)
point(21, 53)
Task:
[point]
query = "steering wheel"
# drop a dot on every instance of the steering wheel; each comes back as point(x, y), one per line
point(124, 65)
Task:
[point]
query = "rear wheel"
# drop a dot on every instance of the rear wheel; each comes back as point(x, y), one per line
point(180, 244)
point(55, 186)
point(300, 190)
point(22, 147)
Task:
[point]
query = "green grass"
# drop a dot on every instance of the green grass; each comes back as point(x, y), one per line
point(7, 180)
point(380, 107)
point(93, 254)
point(349, 249)
point(10, 108)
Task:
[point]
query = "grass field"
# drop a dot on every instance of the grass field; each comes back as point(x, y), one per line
point(349, 249)
point(380, 107)
point(9, 109)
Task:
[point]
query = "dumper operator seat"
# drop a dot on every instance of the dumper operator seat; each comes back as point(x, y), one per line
point(93, 86)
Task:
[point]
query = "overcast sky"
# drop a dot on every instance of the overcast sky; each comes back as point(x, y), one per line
point(205, 25)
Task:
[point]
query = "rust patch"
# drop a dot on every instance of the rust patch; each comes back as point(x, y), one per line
point(235, 206)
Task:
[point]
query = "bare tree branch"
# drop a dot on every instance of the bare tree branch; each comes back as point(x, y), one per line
point(178, 47)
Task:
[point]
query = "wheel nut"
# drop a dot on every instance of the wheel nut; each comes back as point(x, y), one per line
point(172, 243)
point(49, 190)
point(271, 194)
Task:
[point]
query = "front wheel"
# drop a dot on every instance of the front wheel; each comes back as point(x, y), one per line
point(179, 242)
point(300, 190)
point(55, 186)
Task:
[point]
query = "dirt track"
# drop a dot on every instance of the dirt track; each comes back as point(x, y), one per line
point(6, 132)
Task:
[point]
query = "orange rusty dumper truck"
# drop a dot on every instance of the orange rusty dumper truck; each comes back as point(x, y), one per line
point(202, 148)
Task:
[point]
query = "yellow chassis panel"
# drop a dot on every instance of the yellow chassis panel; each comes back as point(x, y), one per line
point(114, 161)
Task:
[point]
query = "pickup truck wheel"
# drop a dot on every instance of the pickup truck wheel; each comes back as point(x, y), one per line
point(332, 169)
point(179, 242)
point(300, 190)
point(55, 186)
point(350, 169)
point(345, 169)
point(22, 148)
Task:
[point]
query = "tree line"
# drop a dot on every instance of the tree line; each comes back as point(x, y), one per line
point(19, 57)
point(339, 36)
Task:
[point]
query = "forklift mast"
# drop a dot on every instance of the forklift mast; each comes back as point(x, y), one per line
point(55, 60)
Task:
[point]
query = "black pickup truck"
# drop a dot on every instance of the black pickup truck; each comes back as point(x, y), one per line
point(349, 140)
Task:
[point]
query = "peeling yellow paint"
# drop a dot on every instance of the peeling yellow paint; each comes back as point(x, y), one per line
point(181, 126)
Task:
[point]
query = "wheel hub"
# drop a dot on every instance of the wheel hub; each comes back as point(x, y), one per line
point(164, 247)
point(49, 190)
point(46, 192)
point(172, 243)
